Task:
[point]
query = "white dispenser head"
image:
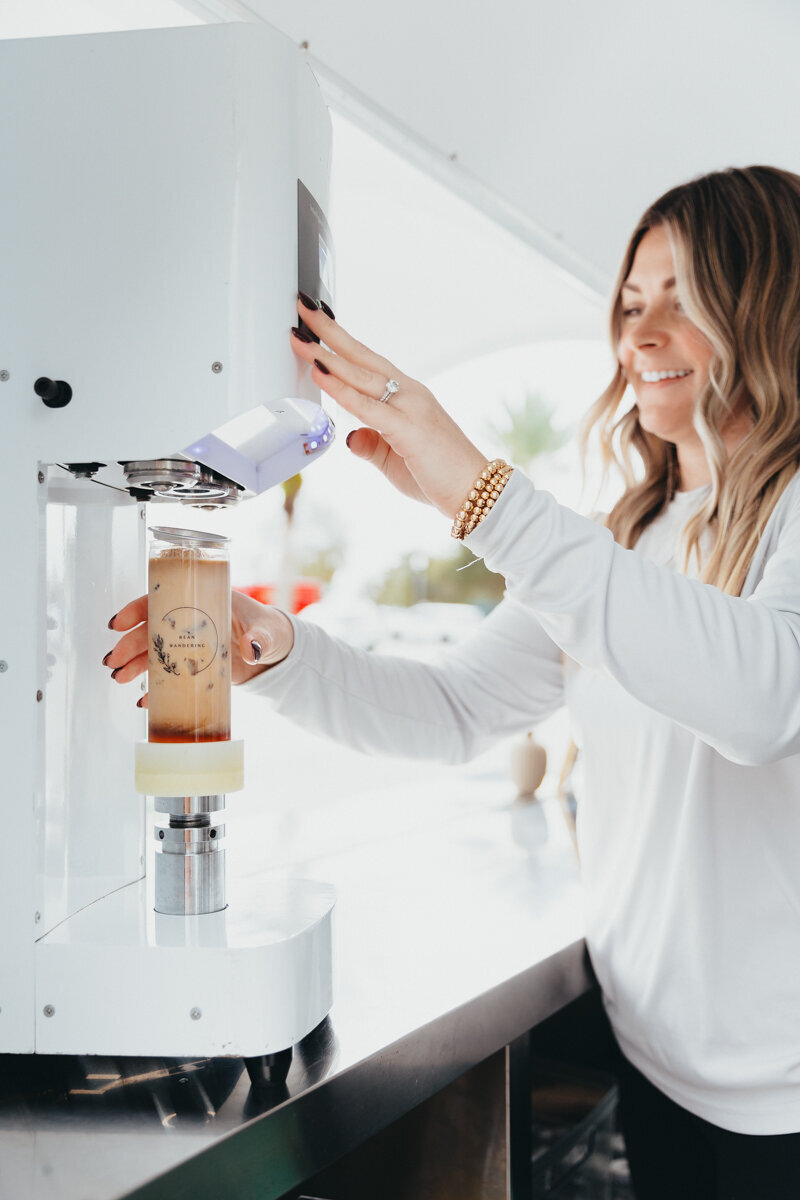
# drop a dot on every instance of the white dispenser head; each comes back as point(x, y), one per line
point(164, 198)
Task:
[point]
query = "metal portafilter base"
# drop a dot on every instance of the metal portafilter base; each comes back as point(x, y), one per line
point(189, 861)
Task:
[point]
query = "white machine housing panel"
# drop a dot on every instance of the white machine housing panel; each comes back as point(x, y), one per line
point(149, 250)
point(253, 979)
point(151, 232)
point(90, 826)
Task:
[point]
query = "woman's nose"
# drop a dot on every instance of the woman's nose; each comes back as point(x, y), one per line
point(647, 331)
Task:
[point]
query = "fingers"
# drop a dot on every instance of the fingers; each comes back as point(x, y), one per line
point(365, 408)
point(340, 341)
point(128, 659)
point(129, 669)
point(262, 634)
point(257, 647)
point(369, 445)
point(354, 376)
point(260, 647)
point(368, 383)
point(132, 614)
point(420, 450)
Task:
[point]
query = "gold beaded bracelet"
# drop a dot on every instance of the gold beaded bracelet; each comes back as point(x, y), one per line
point(479, 503)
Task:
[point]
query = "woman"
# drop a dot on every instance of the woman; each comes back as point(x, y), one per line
point(673, 637)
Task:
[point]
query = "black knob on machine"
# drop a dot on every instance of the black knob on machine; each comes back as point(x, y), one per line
point(55, 393)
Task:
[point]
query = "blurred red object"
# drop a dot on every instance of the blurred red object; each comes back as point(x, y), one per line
point(304, 591)
point(263, 592)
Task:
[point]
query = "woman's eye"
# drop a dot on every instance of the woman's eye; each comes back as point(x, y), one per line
point(630, 312)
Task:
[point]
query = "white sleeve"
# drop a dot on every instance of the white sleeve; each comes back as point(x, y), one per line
point(505, 678)
point(726, 668)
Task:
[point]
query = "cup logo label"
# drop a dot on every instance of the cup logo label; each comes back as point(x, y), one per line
point(189, 642)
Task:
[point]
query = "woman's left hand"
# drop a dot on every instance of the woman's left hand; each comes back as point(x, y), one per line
point(409, 437)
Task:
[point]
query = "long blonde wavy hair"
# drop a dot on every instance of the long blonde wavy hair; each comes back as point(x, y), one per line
point(735, 237)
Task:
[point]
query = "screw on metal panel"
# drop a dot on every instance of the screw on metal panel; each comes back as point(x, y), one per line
point(4, 376)
point(37, 917)
point(216, 367)
point(40, 477)
point(161, 834)
point(195, 1014)
point(40, 696)
point(48, 1010)
point(3, 665)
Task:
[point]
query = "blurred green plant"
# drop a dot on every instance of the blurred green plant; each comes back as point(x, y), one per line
point(321, 564)
point(288, 568)
point(442, 581)
point(526, 433)
point(290, 488)
point(528, 430)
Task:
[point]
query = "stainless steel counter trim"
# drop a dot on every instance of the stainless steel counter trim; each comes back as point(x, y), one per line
point(281, 1147)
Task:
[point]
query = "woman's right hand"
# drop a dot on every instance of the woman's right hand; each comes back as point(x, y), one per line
point(261, 637)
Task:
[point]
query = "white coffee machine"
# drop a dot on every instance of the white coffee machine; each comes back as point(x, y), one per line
point(162, 200)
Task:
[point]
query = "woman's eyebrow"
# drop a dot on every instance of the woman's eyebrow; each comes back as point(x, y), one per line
point(632, 287)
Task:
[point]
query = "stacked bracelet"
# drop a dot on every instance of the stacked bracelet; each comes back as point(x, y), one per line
point(481, 500)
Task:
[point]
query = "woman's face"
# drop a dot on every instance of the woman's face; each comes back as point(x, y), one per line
point(664, 356)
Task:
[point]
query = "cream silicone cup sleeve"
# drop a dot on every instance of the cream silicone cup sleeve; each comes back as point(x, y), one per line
point(189, 623)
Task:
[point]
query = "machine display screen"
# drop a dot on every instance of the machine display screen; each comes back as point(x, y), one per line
point(325, 266)
point(315, 260)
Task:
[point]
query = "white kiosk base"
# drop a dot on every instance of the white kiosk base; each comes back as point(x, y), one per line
point(118, 978)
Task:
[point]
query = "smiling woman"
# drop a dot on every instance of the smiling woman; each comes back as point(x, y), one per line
point(685, 700)
point(664, 355)
point(705, 295)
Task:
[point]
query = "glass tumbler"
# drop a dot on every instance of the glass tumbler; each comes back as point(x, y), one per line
point(189, 624)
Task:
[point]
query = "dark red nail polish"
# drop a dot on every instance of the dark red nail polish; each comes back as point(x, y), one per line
point(140, 702)
point(301, 334)
point(347, 439)
point(115, 672)
point(321, 367)
point(107, 657)
point(256, 650)
point(326, 308)
point(307, 302)
point(113, 619)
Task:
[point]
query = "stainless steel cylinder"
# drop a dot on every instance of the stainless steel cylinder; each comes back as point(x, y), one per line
point(189, 861)
point(177, 805)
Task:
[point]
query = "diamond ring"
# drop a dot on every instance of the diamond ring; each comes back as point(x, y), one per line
point(392, 386)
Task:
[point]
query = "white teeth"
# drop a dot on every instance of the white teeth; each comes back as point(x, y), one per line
point(656, 376)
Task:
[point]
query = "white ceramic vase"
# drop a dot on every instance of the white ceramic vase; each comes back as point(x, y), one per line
point(528, 764)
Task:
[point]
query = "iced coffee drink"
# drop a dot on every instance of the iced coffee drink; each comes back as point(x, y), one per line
point(189, 623)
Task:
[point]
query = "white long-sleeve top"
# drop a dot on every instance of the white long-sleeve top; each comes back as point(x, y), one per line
point(685, 704)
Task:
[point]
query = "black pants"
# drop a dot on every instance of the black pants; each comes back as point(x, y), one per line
point(672, 1154)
